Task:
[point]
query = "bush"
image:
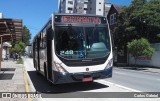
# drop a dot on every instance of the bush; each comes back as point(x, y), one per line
point(140, 47)
point(20, 61)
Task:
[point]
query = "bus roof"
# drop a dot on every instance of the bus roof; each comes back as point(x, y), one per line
point(71, 14)
point(73, 18)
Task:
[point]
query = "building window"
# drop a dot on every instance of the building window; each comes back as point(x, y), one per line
point(85, 9)
point(69, 8)
point(99, 2)
point(85, 2)
point(99, 9)
point(70, 2)
point(80, 7)
point(112, 19)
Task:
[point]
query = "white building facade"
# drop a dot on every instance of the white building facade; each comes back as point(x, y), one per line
point(1, 15)
point(107, 7)
point(81, 6)
point(96, 7)
point(153, 61)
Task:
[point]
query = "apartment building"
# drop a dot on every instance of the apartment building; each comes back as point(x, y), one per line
point(81, 6)
point(96, 7)
point(107, 7)
point(1, 15)
point(66, 6)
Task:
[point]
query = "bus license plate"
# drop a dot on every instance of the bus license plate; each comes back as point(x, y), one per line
point(87, 79)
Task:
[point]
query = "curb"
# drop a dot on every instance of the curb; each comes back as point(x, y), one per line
point(151, 72)
point(136, 70)
point(26, 83)
point(30, 84)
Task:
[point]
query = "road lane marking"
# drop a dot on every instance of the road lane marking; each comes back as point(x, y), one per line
point(120, 73)
point(127, 88)
point(26, 83)
point(158, 79)
point(31, 87)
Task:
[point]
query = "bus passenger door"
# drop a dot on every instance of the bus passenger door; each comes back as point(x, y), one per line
point(49, 53)
point(37, 53)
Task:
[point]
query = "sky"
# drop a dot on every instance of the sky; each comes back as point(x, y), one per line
point(35, 13)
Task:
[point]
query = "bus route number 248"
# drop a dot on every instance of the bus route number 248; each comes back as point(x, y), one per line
point(68, 52)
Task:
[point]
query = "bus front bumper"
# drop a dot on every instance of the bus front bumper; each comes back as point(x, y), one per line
point(80, 77)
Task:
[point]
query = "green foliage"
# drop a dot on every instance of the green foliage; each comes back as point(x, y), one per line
point(140, 47)
point(26, 35)
point(140, 19)
point(158, 35)
point(19, 47)
point(20, 61)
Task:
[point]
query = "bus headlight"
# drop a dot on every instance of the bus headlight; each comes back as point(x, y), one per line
point(110, 64)
point(60, 68)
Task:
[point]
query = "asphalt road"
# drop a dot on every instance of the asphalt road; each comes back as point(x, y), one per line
point(122, 81)
point(138, 80)
point(41, 85)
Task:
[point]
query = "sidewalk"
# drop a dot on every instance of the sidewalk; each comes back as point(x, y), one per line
point(11, 79)
point(145, 69)
point(154, 70)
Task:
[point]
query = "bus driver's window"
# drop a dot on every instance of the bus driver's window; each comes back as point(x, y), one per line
point(102, 37)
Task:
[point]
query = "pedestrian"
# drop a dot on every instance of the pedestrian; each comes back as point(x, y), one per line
point(3, 54)
point(16, 55)
point(7, 57)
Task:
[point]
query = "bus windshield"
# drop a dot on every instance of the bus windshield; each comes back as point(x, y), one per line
point(78, 42)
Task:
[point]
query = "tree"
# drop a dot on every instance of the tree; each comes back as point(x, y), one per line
point(19, 48)
point(140, 47)
point(26, 35)
point(140, 19)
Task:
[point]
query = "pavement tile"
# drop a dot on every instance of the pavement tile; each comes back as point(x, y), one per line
point(16, 84)
point(13, 99)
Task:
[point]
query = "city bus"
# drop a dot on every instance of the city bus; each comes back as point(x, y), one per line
point(74, 48)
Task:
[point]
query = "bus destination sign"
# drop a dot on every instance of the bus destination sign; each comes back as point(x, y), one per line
point(80, 19)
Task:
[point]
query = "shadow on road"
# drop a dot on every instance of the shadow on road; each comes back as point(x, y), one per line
point(134, 68)
point(43, 86)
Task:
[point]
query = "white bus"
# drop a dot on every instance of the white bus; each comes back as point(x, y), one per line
point(73, 48)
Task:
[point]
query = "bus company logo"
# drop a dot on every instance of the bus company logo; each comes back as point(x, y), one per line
point(87, 69)
point(6, 95)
